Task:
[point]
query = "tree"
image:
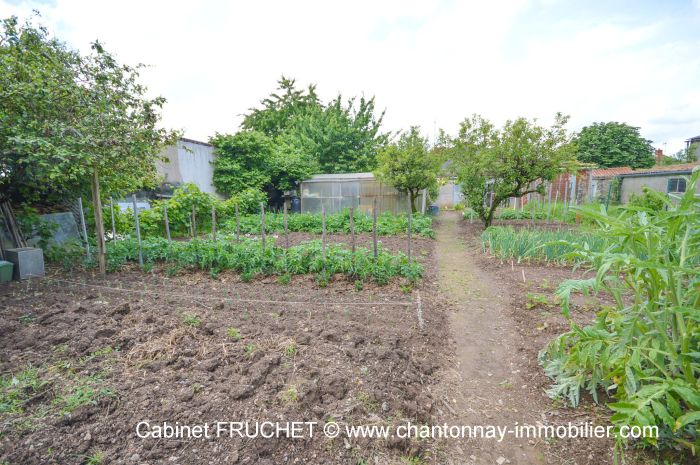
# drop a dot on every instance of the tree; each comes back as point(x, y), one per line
point(495, 164)
point(686, 155)
point(64, 115)
point(71, 123)
point(614, 144)
point(341, 137)
point(408, 165)
point(254, 160)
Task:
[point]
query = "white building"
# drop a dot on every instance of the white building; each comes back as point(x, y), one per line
point(189, 161)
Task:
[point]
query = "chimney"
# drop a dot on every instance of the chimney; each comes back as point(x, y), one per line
point(659, 156)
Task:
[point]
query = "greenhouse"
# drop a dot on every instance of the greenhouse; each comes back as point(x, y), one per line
point(358, 190)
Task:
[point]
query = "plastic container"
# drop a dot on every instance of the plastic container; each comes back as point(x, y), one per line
point(6, 269)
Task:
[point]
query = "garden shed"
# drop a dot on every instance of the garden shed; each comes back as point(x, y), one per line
point(339, 191)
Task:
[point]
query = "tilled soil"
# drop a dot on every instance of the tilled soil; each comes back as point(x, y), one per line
point(136, 347)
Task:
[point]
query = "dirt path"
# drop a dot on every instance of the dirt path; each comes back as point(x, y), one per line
point(490, 387)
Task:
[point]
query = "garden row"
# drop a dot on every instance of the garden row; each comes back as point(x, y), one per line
point(249, 258)
point(641, 352)
point(190, 208)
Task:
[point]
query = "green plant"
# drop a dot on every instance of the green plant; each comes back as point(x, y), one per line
point(643, 351)
point(290, 350)
point(284, 279)
point(250, 349)
point(537, 244)
point(358, 285)
point(95, 459)
point(234, 334)
point(26, 319)
point(190, 319)
point(16, 389)
point(291, 395)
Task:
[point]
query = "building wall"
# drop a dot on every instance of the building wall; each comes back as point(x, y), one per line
point(189, 162)
point(634, 185)
point(449, 195)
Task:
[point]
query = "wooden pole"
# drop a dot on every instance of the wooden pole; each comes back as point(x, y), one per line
point(549, 207)
point(138, 230)
point(410, 215)
point(213, 223)
point(374, 226)
point(82, 223)
point(114, 228)
point(238, 225)
point(99, 223)
point(262, 224)
point(352, 228)
point(323, 234)
point(167, 223)
point(194, 221)
point(286, 229)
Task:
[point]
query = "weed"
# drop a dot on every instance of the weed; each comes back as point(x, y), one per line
point(173, 270)
point(290, 395)
point(95, 459)
point(370, 404)
point(16, 389)
point(406, 288)
point(247, 276)
point(233, 334)
point(148, 267)
point(284, 279)
point(290, 350)
point(26, 320)
point(536, 300)
point(190, 319)
point(250, 349)
point(358, 285)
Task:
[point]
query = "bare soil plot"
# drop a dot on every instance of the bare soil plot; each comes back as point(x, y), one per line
point(92, 358)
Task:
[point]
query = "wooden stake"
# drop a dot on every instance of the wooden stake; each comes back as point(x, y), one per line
point(352, 228)
point(114, 228)
point(213, 223)
point(138, 230)
point(99, 223)
point(323, 234)
point(410, 215)
point(262, 224)
point(374, 226)
point(167, 223)
point(82, 222)
point(286, 230)
point(238, 225)
point(194, 221)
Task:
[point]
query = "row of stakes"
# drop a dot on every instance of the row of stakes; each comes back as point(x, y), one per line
point(193, 226)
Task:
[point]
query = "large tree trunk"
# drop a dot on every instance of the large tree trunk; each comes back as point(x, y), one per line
point(99, 224)
point(489, 216)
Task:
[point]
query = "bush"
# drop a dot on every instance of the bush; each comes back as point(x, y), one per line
point(643, 351)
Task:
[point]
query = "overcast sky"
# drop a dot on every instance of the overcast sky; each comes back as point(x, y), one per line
point(429, 63)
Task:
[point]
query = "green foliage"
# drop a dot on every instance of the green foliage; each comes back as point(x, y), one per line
point(388, 224)
point(614, 144)
point(408, 165)
point(495, 164)
point(643, 351)
point(234, 334)
point(249, 258)
point(242, 161)
point(649, 199)
point(311, 137)
point(32, 225)
point(538, 245)
point(190, 319)
point(63, 114)
point(16, 389)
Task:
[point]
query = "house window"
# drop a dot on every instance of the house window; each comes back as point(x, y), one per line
point(676, 185)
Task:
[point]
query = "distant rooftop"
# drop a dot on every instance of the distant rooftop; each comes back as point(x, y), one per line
point(610, 172)
point(682, 168)
point(192, 141)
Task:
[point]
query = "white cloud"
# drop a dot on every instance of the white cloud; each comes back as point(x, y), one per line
point(428, 62)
